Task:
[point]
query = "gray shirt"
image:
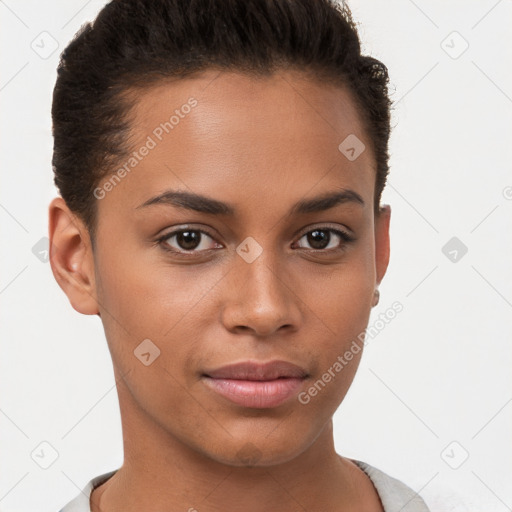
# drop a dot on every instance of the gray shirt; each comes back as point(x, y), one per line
point(394, 495)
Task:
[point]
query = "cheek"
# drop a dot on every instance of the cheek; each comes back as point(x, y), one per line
point(135, 289)
point(342, 304)
point(340, 311)
point(141, 297)
point(337, 349)
point(125, 296)
point(140, 304)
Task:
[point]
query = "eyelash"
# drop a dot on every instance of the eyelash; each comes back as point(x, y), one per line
point(346, 238)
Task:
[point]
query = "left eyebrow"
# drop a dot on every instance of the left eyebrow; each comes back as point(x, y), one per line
point(204, 204)
point(327, 201)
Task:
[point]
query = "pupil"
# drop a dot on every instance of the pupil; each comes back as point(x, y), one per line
point(318, 237)
point(188, 240)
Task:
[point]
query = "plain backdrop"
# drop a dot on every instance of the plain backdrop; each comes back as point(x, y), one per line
point(431, 403)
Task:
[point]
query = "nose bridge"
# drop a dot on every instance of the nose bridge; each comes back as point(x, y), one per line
point(259, 267)
point(263, 301)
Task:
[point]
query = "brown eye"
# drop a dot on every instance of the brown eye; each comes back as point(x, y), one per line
point(187, 240)
point(326, 239)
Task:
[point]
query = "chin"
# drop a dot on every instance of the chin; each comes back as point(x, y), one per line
point(257, 452)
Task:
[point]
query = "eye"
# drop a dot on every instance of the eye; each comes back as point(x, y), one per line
point(187, 241)
point(190, 241)
point(321, 239)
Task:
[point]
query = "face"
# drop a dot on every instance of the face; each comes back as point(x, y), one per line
point(259, 271)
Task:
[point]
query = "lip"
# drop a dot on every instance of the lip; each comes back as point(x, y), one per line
point(256, 385)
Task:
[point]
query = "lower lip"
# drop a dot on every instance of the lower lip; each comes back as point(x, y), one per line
point(254, 393)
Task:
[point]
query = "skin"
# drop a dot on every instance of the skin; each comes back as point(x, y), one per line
point(260, 144)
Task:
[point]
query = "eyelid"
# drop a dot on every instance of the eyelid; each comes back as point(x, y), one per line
point(324, 226)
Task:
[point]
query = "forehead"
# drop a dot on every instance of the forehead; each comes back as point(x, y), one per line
point(229, 134)
point(235, 104)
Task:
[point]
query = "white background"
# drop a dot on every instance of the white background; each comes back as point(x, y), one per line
point(439, 373)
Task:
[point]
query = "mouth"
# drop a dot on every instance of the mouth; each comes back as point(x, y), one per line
point(256, 385)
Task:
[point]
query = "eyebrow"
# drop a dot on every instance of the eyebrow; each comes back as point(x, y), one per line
point(204, 204)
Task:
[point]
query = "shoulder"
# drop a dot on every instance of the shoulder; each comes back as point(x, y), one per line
point(82, 502)
point(394, 494)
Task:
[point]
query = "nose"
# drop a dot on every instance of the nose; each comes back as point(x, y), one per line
point(260, 298)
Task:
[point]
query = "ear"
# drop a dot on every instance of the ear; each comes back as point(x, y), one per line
point(71, 257)
point(382, 221)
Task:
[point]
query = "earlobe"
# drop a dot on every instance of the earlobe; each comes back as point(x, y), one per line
point(71, 257)
point(376, 297)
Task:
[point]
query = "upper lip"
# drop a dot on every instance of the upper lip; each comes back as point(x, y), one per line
point(250, 370)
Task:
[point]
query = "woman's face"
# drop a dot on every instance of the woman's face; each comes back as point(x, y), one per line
point(257, 280)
